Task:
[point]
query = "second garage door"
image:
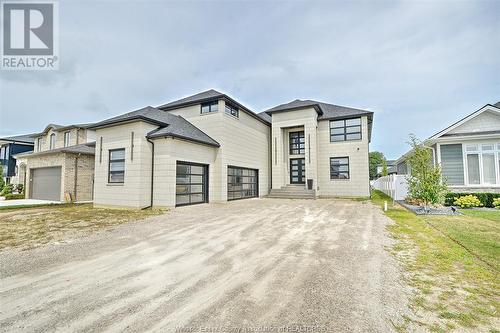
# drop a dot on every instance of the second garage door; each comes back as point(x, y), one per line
point(46, 183)
point(242, 183)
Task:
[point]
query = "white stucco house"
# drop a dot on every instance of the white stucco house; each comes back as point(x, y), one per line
point(468, 152)
point(210, 148)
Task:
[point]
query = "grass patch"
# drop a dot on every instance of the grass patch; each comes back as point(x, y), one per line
point(452, 262)
point(27, 228)
point(492, 215)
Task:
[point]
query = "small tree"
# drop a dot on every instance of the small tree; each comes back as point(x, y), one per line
point(375, 158)
point(424, 180)
point(384, 168)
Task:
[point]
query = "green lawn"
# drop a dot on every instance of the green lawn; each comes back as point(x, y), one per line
point(27, 228)
point(453, 264)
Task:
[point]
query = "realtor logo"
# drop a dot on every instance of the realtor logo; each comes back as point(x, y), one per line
point(29, 38)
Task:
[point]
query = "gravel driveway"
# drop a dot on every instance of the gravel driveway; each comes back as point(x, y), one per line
point(262, 265)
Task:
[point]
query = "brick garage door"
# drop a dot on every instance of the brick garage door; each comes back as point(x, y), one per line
point(46, 183)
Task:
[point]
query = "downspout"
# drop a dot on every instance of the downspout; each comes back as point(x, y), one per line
point(76, 177)
point(152, 170)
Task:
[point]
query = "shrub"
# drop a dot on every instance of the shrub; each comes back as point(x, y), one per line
point(485, 198)
point(12, 196)
point(496, 203)
point(19, 188)
point(467, 201)
point(2, 182)
point(7, 189)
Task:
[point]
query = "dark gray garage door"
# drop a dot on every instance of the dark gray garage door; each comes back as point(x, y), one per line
point(46, 183)
point(191, 184)
point(242, 183)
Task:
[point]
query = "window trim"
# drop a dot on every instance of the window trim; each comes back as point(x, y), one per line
point(67, 144)
point(348, 168)
point(52, 145)
point(345, 127)
point(231, 109)
point(116, 160)
point(210, 105)
point(290, 149)
point(480, 152)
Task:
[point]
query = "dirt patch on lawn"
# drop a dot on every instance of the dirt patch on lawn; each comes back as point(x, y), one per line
point(32, 227)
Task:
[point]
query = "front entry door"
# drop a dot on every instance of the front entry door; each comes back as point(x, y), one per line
point(297, 171)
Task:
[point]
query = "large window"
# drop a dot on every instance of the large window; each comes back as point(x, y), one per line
point(241, 183)
point(67, 138)
point(481, 161)
point(345, 129)
point(231, 110)
point(210, 107)
point(297, 143)
point(116, 170)
point(191, 184)
point(339, 168)
point(52, 142)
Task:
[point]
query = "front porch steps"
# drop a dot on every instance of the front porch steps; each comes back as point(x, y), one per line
point(292, 192)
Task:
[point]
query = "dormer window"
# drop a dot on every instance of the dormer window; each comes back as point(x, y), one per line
point(52, 142)
point(67, 138)
point(209, 107)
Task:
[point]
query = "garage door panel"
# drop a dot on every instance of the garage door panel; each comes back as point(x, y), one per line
point(192, 183)
point(242, 183)
point(46, 183)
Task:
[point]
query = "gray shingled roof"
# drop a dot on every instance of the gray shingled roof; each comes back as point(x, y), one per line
point(205, 95)
point(497, 104)
point(169, 125)
point(24, 138)
point(85, 149)
point(211, 95)
point(325, 110)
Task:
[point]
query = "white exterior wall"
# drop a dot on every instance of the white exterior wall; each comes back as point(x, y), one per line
point(245, 142)
point(281, 122)
point(135, 191)
point(170, 150)
point(359, 182)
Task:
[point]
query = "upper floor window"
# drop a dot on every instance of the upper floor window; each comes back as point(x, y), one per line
point(52, 142)
point(116, 168)
point(232, 110)
point(38, 144)
point(210, 107)
point(67, 138)
point(297, 143)
point(345, 129)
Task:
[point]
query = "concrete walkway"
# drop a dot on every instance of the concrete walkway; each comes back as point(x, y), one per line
point(25, 202)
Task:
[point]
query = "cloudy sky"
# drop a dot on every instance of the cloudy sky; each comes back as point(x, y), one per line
point(419, 65)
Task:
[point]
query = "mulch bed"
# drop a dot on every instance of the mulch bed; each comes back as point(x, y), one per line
point(419, 210)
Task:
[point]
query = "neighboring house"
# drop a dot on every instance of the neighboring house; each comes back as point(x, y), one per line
point(9, 146)
point(391, 168)
point(61, 167)
point(210, 148)
point(468, 152)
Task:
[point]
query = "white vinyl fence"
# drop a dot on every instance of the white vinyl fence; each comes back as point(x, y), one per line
point(394, 186)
